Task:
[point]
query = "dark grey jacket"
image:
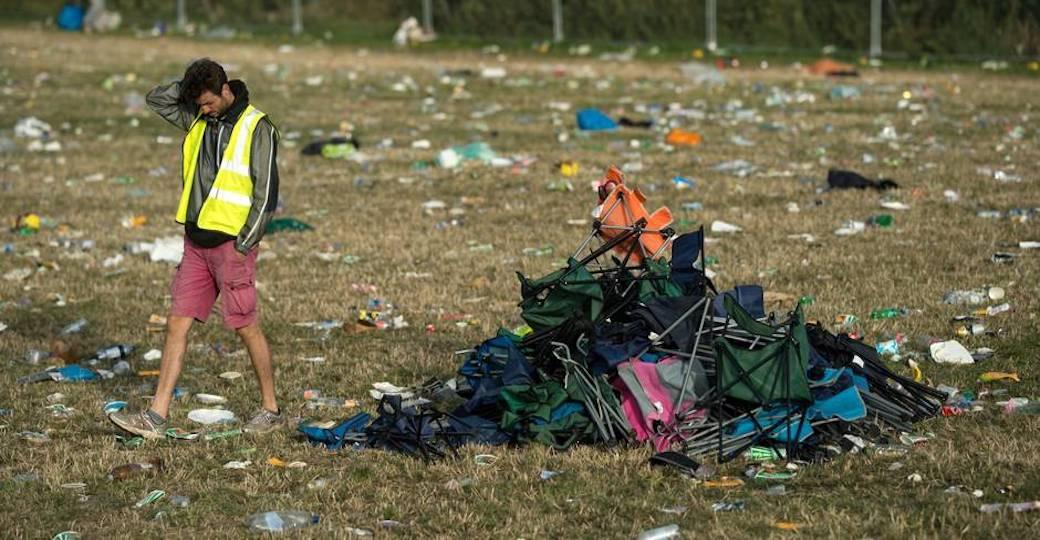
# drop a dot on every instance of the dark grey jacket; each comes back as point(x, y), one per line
point(263, 165)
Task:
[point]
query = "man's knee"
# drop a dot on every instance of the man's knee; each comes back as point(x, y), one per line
point(249, 331)
point(178, 326)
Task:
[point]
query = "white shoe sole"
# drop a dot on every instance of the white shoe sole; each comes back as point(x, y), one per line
point(135, 431)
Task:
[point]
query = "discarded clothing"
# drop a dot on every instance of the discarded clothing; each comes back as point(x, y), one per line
point(839, 179)
point(318, 148)
point(832, 68)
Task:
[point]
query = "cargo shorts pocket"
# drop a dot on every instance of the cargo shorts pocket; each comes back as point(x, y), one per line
point(240, 295)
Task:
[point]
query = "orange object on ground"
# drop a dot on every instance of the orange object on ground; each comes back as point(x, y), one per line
point(621, 209)
point(832, 68)
point(724, 482)
point(679, 137)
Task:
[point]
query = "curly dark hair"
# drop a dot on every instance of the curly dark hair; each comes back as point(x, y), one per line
point(203, 74)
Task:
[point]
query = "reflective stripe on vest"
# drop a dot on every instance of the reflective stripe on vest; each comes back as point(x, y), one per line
point(227, 205)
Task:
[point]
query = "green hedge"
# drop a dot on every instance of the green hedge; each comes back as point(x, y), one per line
point(910, 26)
point(913, 27)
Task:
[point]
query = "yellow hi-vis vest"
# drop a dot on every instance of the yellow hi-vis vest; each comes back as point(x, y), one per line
point(226, 208)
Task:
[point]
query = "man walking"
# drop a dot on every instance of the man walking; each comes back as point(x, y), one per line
point(230, 190)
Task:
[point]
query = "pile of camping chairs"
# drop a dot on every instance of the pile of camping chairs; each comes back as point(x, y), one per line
point(624, 345)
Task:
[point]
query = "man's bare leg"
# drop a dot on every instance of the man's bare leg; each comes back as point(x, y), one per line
point(260, 356)
point(172, 361)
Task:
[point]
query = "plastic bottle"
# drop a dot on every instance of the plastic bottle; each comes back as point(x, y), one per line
point(880, 220)
point(1032, 408)
point(887, 313)
point(993, 310)
point(660, 533)
point(326, 402)
point(215, 435)
point(75, 327)
point(122, 367)
point(888, 348)
point(966, 330)
point(974, 296)
point(891, 450)
point(280, 521)
point(35, 356)
point(112, 352)
point(538, 251)
point(122, 472)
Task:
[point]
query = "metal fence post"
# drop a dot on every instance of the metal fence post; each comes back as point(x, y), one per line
point(557, 8)
point(427, 16)
point(297, 18)
point(875, 28)
point(711, 41)
point(182, 15)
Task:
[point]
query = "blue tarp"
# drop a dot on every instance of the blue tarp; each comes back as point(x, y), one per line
point(71, 17)
point(594, 120)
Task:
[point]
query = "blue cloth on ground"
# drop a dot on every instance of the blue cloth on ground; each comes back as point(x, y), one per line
point(594, 120)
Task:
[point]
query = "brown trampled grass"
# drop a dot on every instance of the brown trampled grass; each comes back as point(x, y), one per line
point(374, 212)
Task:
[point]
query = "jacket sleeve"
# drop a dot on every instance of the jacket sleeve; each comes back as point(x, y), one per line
point(165, 101)
point(263, 167)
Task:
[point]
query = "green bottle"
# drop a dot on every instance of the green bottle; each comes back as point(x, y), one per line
point(887, 313)
point(880, 220)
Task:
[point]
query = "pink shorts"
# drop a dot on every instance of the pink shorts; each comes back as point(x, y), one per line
point(205, 273)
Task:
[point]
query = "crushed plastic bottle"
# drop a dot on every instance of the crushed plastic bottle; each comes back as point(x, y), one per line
point(112, 352)
point(973, 296)
point(75, 327)
point(1031, 408)
point(660, 533)
point(326, 402)
point(152, 497)
point(130, 470)
point(35, 356)
point(280, 521)
point(993, 310)
point(454, 156)
point(888, 348)
point(723, 506)
point(880, 220)
point(1027, 506)
point(1003, 257)
point(888, 313)
point(538, 251)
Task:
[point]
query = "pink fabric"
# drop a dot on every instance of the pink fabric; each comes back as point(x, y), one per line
point(205, 273)
point(643, 423)
point(663, 417)
point(631, 409)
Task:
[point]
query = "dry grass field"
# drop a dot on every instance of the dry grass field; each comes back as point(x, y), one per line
point(951, 125)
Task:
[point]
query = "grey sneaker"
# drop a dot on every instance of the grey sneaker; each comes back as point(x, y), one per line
point(264, 421)
point(140, 423)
